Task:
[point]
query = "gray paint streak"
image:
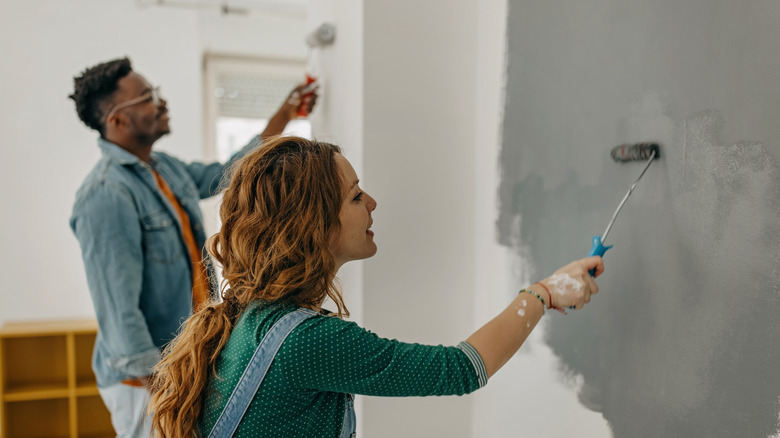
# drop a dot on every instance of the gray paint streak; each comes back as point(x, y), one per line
point(683, 338)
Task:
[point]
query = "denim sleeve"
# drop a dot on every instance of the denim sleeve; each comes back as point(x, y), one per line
point(108, 228)
point(213, 177)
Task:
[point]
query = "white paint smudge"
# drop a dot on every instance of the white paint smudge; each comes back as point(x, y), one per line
point(525, 303)
point(563, 284)
point(528, 324)
point(777, 434)
point(521, 312)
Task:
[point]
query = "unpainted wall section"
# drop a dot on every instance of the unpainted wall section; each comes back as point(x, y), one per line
point(419, 131)
point(683, 338)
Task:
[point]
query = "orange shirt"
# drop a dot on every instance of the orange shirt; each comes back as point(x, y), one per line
point(200, 278)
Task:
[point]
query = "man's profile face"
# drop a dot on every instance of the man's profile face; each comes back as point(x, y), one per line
point(145, 120)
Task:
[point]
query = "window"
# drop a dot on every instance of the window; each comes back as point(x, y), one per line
point(241, 95)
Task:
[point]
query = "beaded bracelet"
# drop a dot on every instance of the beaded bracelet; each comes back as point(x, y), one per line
point(544, 305)
point(549, 294)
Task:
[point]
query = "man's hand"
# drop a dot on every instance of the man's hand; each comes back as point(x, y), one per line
point(301, 100)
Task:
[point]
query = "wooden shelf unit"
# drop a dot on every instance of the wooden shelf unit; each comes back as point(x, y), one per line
point(47, 388)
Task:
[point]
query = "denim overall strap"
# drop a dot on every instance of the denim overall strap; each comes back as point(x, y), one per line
point(247, 386)
point(349, 428)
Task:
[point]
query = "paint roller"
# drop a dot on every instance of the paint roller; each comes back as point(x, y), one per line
point(623, 154)
point(322, 36)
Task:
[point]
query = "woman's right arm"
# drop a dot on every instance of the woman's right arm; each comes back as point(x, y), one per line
point(498, 340)
point(329, 354)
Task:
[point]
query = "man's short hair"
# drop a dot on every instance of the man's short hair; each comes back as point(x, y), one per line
point(92, 91)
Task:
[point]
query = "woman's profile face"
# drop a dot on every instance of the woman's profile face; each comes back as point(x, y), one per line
point(353, 240)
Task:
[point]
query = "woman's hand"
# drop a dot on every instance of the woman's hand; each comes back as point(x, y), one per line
point(571, 286)
point(500, 338)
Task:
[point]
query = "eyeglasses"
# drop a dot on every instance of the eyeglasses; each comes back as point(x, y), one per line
point(154, 96)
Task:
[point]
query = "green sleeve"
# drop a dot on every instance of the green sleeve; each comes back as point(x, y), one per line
point(329, 354)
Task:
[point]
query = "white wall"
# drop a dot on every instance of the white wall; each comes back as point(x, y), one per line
point(419, 114)
point(339, 118)
point(47, 151)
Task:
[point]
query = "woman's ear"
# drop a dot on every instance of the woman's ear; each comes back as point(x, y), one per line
point(333, 239)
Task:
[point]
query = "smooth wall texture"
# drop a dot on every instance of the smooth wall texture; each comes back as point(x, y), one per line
point(419, 129)
point(47, 151)
point(683, 338)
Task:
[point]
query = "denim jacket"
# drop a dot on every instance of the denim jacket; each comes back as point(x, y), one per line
point(138, 268)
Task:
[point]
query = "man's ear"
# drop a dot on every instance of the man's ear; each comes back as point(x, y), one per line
point(112, 121)
point(115, 121)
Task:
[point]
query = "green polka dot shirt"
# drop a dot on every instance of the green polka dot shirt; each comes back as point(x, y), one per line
point(325, 358)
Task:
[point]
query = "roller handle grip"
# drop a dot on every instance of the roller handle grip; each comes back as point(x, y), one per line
point(303, 110)
point(597, 249)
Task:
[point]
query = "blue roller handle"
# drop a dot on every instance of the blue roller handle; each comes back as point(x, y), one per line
point(597, 249)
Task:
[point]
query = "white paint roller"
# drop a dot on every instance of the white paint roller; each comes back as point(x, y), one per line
point(323, 35)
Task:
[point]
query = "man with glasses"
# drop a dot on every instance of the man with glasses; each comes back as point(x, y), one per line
point(140, 228)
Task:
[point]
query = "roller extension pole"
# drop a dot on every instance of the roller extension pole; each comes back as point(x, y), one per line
point(625, 153)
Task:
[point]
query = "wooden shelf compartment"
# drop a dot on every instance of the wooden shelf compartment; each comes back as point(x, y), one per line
point(84, 343)
point(35, 391)
point(47, 387)
point(37, 419)
point(92, 418)
point(34, 365)
point(86, 390)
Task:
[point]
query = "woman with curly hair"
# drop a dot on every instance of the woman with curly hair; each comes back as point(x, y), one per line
point(269, 361)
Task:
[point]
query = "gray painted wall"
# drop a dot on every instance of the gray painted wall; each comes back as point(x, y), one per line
point(684, 338)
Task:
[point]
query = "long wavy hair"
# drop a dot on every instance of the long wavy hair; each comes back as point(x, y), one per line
point(278, 215)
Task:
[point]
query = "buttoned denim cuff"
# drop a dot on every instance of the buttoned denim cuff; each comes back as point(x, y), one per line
point(137, 365)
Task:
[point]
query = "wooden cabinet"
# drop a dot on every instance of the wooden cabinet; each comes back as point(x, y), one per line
point(47, 388)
